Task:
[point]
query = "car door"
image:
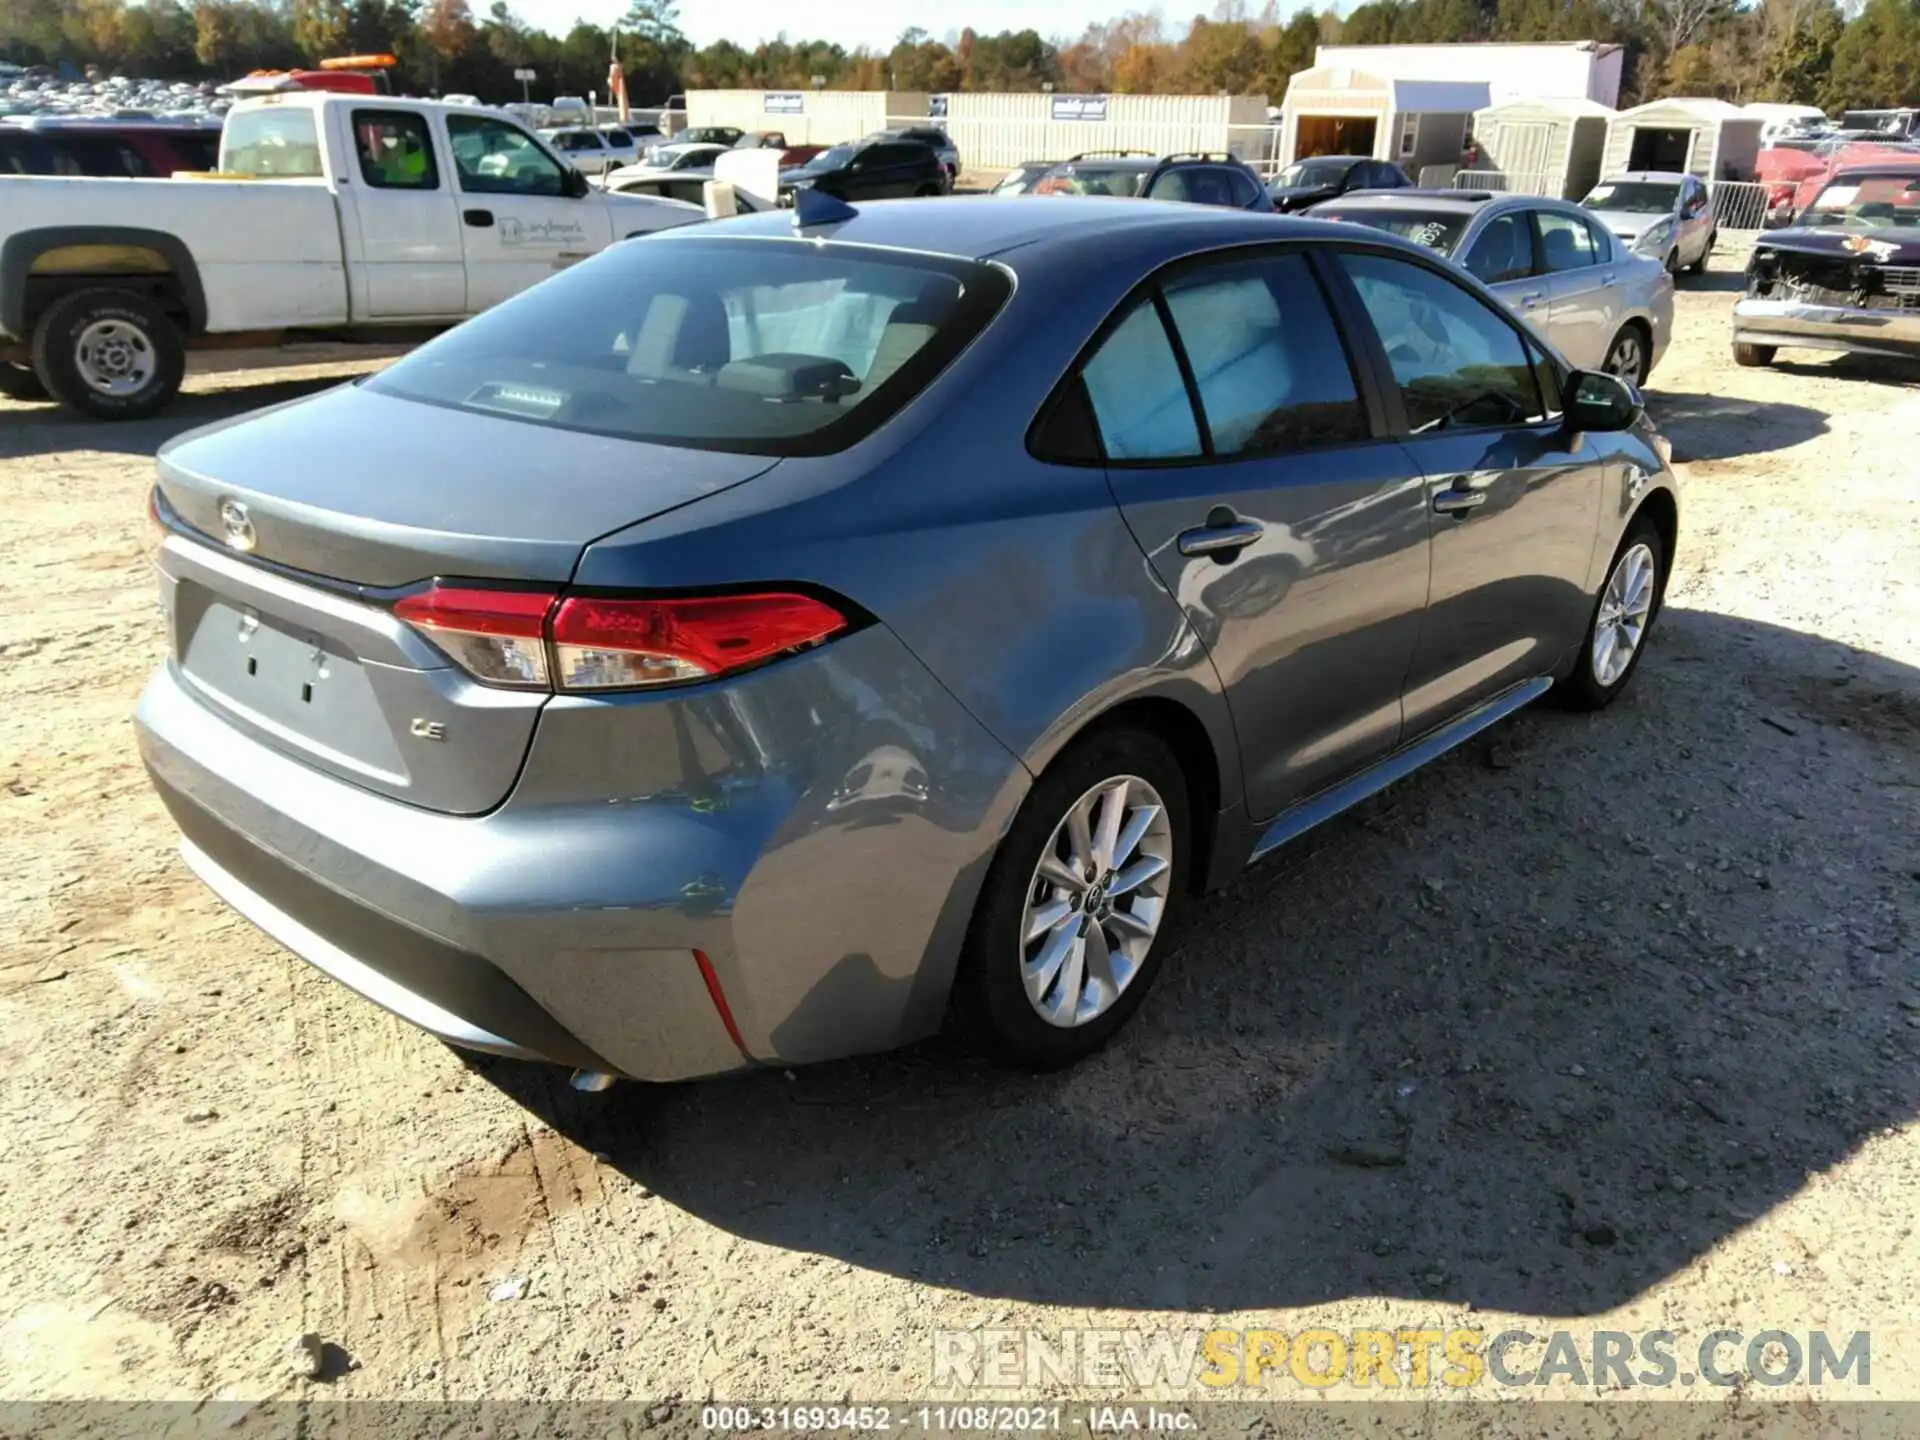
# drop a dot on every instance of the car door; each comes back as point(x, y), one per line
point(406, 217)
point(521, 220)
point(1501, 256)
point(1513, 499)
point(1695, 221)
point(1579, 307)
point(1272, 506)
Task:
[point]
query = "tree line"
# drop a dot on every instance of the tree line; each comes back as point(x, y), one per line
point(1853, 55)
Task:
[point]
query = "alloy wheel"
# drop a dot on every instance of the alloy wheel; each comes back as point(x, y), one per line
point(1625, 606)
point(1624, 361)
point(1095, 901)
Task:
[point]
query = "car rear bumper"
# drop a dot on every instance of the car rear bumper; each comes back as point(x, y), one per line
point(1826, 327)
point(816, 847)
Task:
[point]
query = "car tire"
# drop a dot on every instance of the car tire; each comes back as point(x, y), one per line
point(1753, 357)
point(1635, 586)
point(1632, 349)
point(1699, 267)
point(18, 382)
point(109, 353)
point(1000, 966)
point(926, 191)
point(1673, 262)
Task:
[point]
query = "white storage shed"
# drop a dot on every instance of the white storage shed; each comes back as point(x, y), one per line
point(1334, 110)
point(1567, 70)
point(1708, 139)
point(1543, 146)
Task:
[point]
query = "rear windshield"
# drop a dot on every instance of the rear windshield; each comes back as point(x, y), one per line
point(1634, 197)
point(271, 141)
point(770, 347)
point(1439, 231)
point(1094, 180)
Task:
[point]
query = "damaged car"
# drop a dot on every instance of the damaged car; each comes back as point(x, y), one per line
point(1847, 277)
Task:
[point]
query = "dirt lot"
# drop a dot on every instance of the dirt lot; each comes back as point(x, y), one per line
point(1623, 1012)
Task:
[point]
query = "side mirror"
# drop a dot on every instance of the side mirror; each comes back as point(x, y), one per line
point(573, 184)
point(1598, 402)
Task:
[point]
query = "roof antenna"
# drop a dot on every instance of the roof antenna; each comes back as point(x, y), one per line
point(814, 207)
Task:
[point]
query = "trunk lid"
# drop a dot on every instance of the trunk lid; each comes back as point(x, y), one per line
point(368, 493)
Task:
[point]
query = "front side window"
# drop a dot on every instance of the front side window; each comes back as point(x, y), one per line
point(394, 150)
point(274, 141)
point(762, 347)
point(1139, 397)
point(1267, 361)
point(1456, 362)
point(1565, 242)
point(1246, 189)
point(495, 158)
point(1502, 251)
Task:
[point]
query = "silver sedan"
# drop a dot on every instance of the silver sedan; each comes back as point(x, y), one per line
point(1550, 261)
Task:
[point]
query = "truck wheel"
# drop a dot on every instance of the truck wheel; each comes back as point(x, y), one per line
point(18, 382)
point(109, 353)
point(1753, 356)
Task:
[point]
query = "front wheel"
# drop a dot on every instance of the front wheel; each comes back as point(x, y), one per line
point(110, 353)
point(1629, 356)
point(1699, 266)
point(1065, 940)
point(1622, 618)
point(1753, 356)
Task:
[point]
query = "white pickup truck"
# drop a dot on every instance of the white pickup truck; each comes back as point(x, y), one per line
point(332, 217)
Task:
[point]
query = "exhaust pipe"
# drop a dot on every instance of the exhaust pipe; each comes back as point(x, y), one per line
point(592, 1081)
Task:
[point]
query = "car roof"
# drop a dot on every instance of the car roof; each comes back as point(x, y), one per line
point(977, 227)
point(1664, 177)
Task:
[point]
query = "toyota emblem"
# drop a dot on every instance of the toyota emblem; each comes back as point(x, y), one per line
point(240, 532)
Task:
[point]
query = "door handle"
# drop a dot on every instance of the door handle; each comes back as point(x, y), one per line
point(1529, 301)
point(479, 219)
point(1224, 536)
point(1457, 500)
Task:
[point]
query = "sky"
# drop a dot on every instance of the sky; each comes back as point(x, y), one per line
point(846, 22)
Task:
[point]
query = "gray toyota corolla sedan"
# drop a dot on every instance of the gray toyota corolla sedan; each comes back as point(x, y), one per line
point(762, 639)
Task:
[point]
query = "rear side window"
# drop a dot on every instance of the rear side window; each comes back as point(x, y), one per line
point(768, 347)
point(1196, 184)
point(1565, 242)
point(1269, 365)
point(394, 150)
point(1504, 250)
point(274, 141)
point(1457, 363)
point(1139, 397)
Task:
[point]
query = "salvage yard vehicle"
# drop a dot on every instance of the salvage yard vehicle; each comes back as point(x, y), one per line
point(1547, 260)
point(1845, 277)
point(1195, 179)
point(422, 215)
point(739, 646)
point(1652, 212)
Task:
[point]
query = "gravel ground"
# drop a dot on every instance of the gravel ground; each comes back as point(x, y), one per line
point(1602, 1023)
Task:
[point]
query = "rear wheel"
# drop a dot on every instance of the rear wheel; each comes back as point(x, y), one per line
point(1753, 356)
point(109, 353)
point(1067, 935)
point(1622, 618)
point(18, 382)
point(1629, 356)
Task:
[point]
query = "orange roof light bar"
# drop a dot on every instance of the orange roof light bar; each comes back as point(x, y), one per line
point(359, 62)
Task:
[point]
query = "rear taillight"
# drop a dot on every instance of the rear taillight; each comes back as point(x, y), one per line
point(498, 636)
point(616, 644)
point(506, 637)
